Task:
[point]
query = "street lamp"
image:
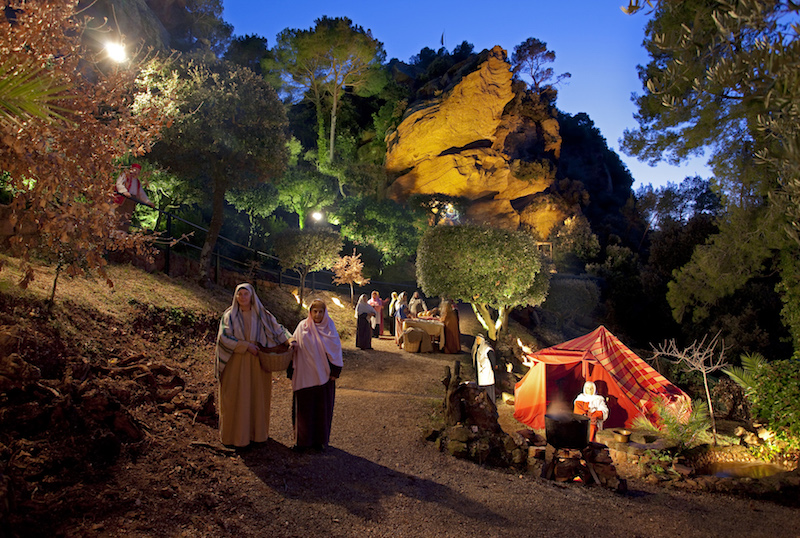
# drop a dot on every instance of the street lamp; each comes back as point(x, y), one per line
point(116, 51)
point(317, 216)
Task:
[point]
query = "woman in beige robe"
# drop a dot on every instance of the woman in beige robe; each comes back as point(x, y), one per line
point(245, 390)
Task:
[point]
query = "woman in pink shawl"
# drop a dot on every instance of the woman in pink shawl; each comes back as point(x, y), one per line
point(377, 303)
point(317, 364)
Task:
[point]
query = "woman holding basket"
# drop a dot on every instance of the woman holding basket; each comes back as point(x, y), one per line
point(245, 389)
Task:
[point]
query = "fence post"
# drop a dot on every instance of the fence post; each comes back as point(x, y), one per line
point(169, 243)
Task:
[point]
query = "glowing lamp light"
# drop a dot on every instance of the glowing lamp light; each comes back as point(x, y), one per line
point(337, 302)
point(317, 216)
point(116, 51)
point(296, 297)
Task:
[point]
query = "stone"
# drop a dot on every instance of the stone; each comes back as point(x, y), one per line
point(751, 438)
point(457, 449)
point(458, 433)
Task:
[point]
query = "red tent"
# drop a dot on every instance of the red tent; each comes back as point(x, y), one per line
point(630, 385)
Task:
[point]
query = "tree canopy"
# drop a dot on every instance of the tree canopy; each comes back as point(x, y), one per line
point(494, 270)
point(325, 60)
point(304, 251)
point(231, 134)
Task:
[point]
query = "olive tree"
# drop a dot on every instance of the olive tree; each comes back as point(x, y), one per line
point(494, 270)
point(304, 251)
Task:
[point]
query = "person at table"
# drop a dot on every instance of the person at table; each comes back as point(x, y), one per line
point(416, 305)
point(592, 405)
point(365, 315)
point(400, 313)
point(377, 303)
point(452, 334)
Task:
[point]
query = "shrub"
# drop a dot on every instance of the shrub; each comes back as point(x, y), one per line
point(679, 426)
point(776, 395)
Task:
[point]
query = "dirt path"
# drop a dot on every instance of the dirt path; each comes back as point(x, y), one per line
point(380, 478)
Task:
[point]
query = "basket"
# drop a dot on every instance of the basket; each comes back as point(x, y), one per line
point(275, 362)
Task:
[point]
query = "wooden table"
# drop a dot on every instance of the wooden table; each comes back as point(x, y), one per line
point(434, 328)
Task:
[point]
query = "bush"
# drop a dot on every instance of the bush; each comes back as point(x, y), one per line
point(776, 395)
point(678, 428)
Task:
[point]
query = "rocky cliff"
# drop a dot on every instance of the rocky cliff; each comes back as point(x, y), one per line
point(473, 140)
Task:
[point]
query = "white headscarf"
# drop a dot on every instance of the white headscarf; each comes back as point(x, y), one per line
point(596, 401)
point(317, 343)
point(363, 306)
point(264, 328)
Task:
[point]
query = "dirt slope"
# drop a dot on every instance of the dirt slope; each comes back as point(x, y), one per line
point(379, 478)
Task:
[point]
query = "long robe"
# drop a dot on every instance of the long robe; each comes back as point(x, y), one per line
point(363, 332)
point(245, 390)
point(452, 334)
point(317, 362)
point(378, 305)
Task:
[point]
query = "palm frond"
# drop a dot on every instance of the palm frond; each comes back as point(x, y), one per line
point(27, 91)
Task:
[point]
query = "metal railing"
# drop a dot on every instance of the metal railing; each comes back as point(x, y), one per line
point(261, 263)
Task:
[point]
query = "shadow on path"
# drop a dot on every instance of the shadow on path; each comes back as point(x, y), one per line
point(354, 483)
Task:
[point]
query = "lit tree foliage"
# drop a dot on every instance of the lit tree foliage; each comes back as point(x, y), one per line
point(387, 226)
point(304, 190)
point(324, 60)
point(304, 251)
point(258, 202)
point(231, 134)
point(493, 270)
point(63, 124)
point(349, 270)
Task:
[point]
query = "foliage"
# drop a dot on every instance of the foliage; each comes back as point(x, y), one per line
point(197, 25)
point(258, 202)
point(231, 133)
point(745, 376)
point(574, 244)
point(494, 270)
point(304, 251)
point(775, 395)
point(383, 224)
point(658, 462)
point(348, 270)
point(621, 276)
point(59, 148)
point(679, 425)
point(571, 297)
point(723, 76)
point(324, 60)
point(303, 190)
point(531, 58)
point(247, 51)
point(699, 357)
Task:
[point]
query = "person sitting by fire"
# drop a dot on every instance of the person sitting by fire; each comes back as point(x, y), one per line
point(592, 405)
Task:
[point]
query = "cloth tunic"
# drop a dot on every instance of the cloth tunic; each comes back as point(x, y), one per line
point(365, 315)
point(245, 389)
point(452, 334)
point(317, 361)
point(378, 304)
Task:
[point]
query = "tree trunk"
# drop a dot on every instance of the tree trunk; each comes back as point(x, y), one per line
point(484, 316)
point(206, 254)
point(710, 408)
point(334, 102)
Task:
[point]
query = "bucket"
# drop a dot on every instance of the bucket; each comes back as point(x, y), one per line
point(567, 430)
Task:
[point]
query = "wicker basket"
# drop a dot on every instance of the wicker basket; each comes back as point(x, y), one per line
point(275, 362)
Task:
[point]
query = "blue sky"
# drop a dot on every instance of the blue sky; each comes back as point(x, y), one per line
point(593, 40)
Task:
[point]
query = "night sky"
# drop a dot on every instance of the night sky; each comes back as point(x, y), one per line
point(593, 40)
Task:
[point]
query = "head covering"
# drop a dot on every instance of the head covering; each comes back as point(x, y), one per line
point(317, 343)
point(264, 328)
point(362, 307)
point(137, 166)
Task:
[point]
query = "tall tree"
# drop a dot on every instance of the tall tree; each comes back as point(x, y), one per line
point(493, 270)
point(532, 58)
point(303, 190)
point(231, 134)
point(247, 51)
point(723, 76)
point(325, 60)
point(304, 251)
point(63, 125)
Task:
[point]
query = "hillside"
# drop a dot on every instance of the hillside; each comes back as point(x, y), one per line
point(118, 437)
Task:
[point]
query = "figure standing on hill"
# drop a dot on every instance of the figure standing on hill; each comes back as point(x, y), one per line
point(416, 305)
point(452, 332)
point(592, 405)
point(129, 190)
point(365, 315)
point(245, 390)
point(377, 303)
point(317, 364)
